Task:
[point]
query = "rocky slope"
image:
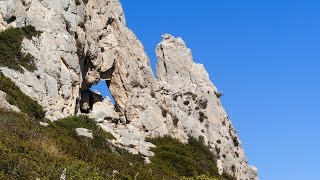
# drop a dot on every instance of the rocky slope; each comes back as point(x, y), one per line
point(82, 42)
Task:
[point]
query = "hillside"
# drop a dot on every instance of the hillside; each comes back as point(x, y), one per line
point(33, 147)
point(29, 150)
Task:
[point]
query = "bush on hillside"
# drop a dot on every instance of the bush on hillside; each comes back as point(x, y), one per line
point(185, 160)
point(30, 151)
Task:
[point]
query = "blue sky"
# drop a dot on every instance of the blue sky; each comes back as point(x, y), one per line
point(265, 57)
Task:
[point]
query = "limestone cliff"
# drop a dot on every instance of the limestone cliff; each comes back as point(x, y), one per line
point(83, 42)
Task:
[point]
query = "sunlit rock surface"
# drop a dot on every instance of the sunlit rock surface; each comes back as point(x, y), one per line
point(80, 45)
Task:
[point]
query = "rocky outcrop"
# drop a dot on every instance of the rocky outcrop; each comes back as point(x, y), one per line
point(193, 107)
point(56, 82)
point(84, 42)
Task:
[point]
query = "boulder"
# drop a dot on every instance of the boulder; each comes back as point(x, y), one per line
point(104, 111)
point(84, 132)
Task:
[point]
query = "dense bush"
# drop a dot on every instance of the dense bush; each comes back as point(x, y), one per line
point(16, 97)
point(82, 121)
point(193, 160)
point(30, 151)
point(10, 48)
point(202, 177)
point(181, 159)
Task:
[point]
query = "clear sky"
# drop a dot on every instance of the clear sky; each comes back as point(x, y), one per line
point(265, 57)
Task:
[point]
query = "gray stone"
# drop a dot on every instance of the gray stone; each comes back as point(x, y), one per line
point(84, 132)
point(104, 111)
point(44, 124)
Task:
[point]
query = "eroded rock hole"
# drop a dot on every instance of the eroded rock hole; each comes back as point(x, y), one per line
point(110, 21)
point(95, 84)
point(164, 112)
point(175, 121)
point(95, 93)
point(202, 116)
point(186, 103)
point(11, 19)
point(103, 89)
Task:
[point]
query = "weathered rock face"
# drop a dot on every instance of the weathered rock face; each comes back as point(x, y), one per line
point(83, 43)
point(193, 107)
point(56, 82)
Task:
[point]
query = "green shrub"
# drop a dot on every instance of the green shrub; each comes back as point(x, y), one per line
point(73, 122)
point(30, 151)
point(16, 97)
point(10, 48)
point(184, 160)
point(202, 177)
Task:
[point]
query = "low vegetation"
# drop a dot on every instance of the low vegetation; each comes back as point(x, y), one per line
point(193, 160)
point(71, 123)
point(10, 48)
point(29, 151)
